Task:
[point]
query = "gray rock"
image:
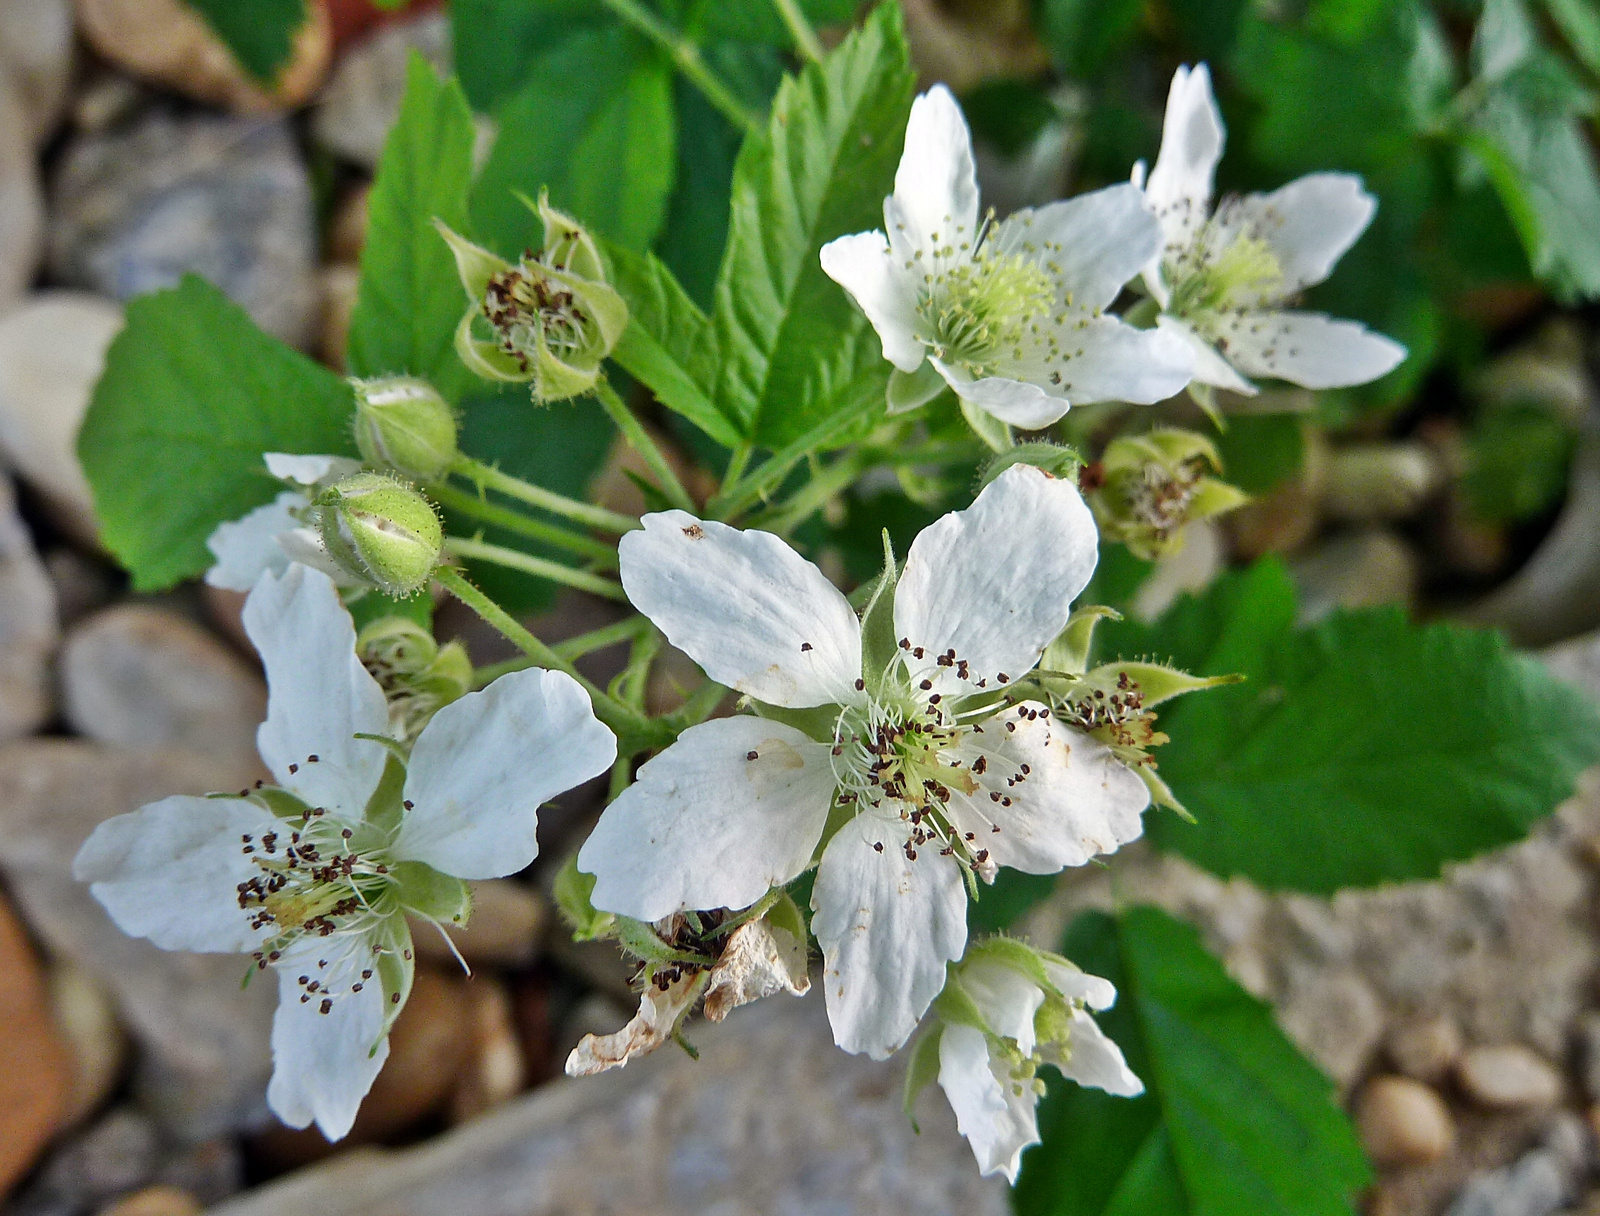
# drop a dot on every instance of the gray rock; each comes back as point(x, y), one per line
point(21, 200)
point(118, 1153)
point(52, 350)
point(362, 100)
point(1536, 1185)
point(1577, 661)
point(227, 198)
point(772, 1119)
point(36, 51)
point(203, 1040)
point(139, 676)
point(28, 632)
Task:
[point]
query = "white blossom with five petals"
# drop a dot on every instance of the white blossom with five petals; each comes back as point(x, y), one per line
point(314, 878)
point(1223, 275)
point(1011, 315)
point(914, 772)
point(277, 533)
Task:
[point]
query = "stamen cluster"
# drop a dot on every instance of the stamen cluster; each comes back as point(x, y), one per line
point(527, 309)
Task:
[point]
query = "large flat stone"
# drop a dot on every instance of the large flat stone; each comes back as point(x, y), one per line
point(772, 1119)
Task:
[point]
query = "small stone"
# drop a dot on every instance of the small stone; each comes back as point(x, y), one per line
point(82, 583)
point(159, 1200)
point(504, 929)
point(1536, 1185)
point(140, 677)
point(210, 1171)
point(1589, 1054)
point(37, 1078)
point(204, 1058)
point(52, 350)
point(169, 43)
point(495, 1071)
point(117, 1154)
point(1508, 1077)
point(1404, 1122)
point(362, 99)
point(21, 200)
point(1335, 1017)
point(1368, 482)
point(1279, 521)
point(1425, 1048)
point(229, 199)
point(36, 52)
point(1359, 570)
point(86, 1020)
point(28, 633)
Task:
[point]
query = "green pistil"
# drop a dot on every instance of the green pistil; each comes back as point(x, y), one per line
point(980, 310)
point(1242, 272)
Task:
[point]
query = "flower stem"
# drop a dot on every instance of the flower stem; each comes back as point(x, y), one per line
point(686, 56)
point(699, 705)
point(737, 495)
point(639, 440)
point(805, 38)
point(514, 521)
point(489, 477)
point(737, 462)
point(785, 516)
point(570, 648)
point(539, 567)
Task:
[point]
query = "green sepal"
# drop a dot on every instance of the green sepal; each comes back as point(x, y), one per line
point(785, 914)
point(280, 802)
point(878, 643)
point(1009, 952)
point(397, 966)
point(1070, 651)
point(384, 809)
point(1156, 681)
point(640, 940)
point(955, 1007)
point(922, 1070)
point(430, 894)
point(815, 722)
point(475, 264)
point(1054, 459)
point(484, 358)
point(909, 390)
point(987, 427)
point(1161, 793)
point(573, 889)
point(1205, 396)
point(1213, 497)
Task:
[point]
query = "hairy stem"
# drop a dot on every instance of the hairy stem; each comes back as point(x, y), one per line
point(539, 567)
point(570, 648)
point(514, 521)
point(639, 440)
point(490, 478)
point(686, 57)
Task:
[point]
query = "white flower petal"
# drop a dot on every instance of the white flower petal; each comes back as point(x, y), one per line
point(705, 826)
point(1075, 801)
point(760, 960)
point(309, 470)
point(659, 1013)
point(1209, 367)
point(1306, 348)
point(1077, 985)
point(247, 547)
point(1091, 245)
point(936, 185)
point(1006, 998)
point(995, 583)
point(1093, 1059)
point(304, 545)
point(996, 1114)
point(745, 606)
point(887, 925)
point(863, 265)
point(170, 871)
point(1017, 402)
point(323, 1064)
point(1106, 359)
point(1309, 223)
point(1179, 187)
point(319, 694)
point(481, 768)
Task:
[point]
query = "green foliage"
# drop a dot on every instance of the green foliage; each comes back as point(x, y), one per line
point(1234, 1121)
point(193, 394)
point(410, 298)
point(497, 42)
point(260, 33)
point(1261, 451)
point(1084, 34)
point(759, 22)
point(1517, 463)
point(594, 122)
point(793, 348)
point(1360, 751)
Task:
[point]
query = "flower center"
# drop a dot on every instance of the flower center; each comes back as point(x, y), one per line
point(1222, 268)
point(977, 311)
point(529, 310)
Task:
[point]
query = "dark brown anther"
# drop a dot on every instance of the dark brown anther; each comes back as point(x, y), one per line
point(861, 685)
point(752, 755)
point(805, 646)
point(409, 805)
point(293, 769)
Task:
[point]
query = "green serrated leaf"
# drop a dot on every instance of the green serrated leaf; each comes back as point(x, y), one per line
point(794, 349)
point(410, 299)
point(497, 42)
point(1363, 750)
point(192, 396)
point(1234, 1121)
point(260, 34)
point(594, 122)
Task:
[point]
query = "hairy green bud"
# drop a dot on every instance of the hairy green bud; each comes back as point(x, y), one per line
point(404, 423)
point(381, 529)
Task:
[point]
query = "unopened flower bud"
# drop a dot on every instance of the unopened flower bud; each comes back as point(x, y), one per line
point(418, 676)
point(552, 316)
point(404, 423)
point(378, 526)
point(1147, 488)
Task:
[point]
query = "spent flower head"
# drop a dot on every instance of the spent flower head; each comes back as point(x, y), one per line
point(1010, 314)
point(314, 877)
point(1224, 274)
point(886, 752)
point(1145, 489)
point(552, 315)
